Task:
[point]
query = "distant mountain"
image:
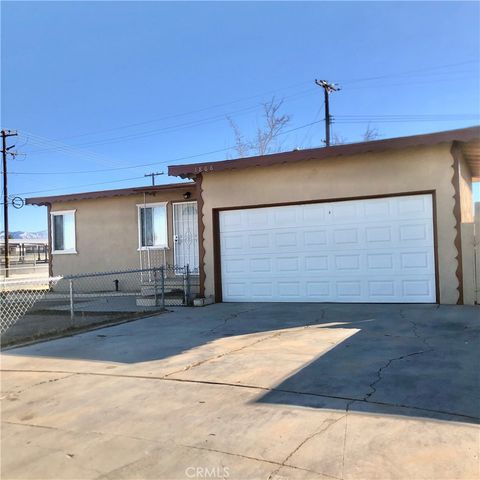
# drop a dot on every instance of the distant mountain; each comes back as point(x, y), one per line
point(19, 235)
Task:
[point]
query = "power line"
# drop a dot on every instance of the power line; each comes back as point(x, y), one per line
point(231, 102)
point(68, 150)
point(409, 72)
point(403, 75)
point(168, 117)
point(165, 162)
point(315, 118)
point(412, 82)
point(136, 178)
point(338, 119)
point(173, 128)
point(79, 186)
point(366, 119)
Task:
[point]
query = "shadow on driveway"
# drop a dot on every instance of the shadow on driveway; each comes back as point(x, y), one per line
point(417, 360)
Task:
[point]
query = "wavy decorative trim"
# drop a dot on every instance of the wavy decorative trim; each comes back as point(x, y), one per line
point(201, 231)
point(456, 152)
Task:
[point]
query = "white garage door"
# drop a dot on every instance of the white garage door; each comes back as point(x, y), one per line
point(374, 250)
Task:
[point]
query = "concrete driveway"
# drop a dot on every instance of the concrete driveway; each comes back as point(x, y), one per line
point(251, 391)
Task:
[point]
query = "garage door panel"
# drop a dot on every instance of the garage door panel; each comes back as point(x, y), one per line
point(315, 214)
point(364, 237)
point(312, 238)
point(357, 290)
point(405, 262)
point(287, 239)
point(324, 214)
point(377, 209)
point(381, 288)
point(318, 290)
point(316, 263)
point(418, 206)
point(378, 250)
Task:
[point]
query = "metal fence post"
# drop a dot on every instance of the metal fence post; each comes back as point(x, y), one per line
point(184, 277)
point(72, 303)
point(162, 284)
point(155, 285)
point(188, 286)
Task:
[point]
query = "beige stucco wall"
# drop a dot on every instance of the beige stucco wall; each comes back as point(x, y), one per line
point(407, 170)
point(468, 263)
point(466, 193)
point(107, 233)
point(467, 229)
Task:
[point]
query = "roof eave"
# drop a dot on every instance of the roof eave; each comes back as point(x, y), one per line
point(122, 192)
point(461, 135)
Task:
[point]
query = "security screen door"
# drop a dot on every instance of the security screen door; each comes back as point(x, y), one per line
point(185, 229)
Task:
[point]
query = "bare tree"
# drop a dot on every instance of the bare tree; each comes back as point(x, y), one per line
point(338, 139)
point(370, 134)
point(274, 124)
point(367, 136)
point(265, 137)
point(242, 147)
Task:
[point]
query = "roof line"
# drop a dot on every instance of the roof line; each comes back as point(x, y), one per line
point(463, 134)
point(108, 193)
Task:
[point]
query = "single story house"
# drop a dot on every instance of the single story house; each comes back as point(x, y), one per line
point(122, 229)
point(381, 221)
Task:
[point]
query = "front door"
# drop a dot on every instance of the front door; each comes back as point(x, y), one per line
point(185, 230)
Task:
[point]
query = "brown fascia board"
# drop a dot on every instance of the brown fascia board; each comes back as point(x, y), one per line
point(460, 135)
point(109, 193)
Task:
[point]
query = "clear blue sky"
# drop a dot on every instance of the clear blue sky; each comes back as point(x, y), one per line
point(121, 84)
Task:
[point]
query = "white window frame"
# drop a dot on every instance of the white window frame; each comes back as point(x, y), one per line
point(139, 225)
point(70, 251)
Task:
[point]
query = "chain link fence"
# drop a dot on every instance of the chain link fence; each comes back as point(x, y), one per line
point(19, 296)
point(97, 294)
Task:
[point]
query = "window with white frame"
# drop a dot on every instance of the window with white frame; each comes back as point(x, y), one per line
point(63, 232)
point(152, 225)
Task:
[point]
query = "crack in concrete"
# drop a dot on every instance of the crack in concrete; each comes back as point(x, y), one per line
point(330, 422)
point(423, 339)
point(148, 440)
point(220, 355)
point(251, 387)
point(247, 457)
point(231, 316)
point(347, 409)
point(379, 373)
point(384, 367)
point(235, 350)
point(24, 424)
point(51, 380)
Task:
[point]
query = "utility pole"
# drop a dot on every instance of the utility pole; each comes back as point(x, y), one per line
point(5, 134)
point(153, 175)
point(327, 89)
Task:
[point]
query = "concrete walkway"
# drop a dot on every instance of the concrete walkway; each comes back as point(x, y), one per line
point(251, 391)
